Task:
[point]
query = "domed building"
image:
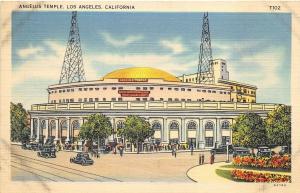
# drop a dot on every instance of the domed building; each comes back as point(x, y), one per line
point(180, 112)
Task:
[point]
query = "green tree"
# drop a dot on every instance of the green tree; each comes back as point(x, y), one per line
point(96, 128)
point(249, 131)
point(278, 126)
point(136, 130)
point(20, 132)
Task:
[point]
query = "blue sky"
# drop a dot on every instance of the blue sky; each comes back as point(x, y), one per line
point(256, 46)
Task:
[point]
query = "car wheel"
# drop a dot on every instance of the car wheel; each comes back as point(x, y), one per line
point(83, 163)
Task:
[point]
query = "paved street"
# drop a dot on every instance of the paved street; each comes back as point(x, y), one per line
point(157, 167)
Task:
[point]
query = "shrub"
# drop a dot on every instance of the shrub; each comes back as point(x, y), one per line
point(249, 176)
point(276, 161)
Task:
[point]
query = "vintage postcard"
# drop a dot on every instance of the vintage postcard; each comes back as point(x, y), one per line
point(149, 96)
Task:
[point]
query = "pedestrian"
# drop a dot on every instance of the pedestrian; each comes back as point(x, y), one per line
point(175, 152)
point(202, 159)
point(172, 151)
point(212, 158)
point(192, 149)
point(121, 151)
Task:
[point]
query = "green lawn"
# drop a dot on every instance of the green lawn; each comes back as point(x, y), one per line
point(258, 169)
point(226, 174)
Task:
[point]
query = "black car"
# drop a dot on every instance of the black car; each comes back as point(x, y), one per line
point(284, 150)
point(82, 158)
point(264, 152)
point(240, 152)
point(31, 146)
point(222, 149)
point(47, 152)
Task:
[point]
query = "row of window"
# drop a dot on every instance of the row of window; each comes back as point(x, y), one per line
point(121, 99)
point(138, 88)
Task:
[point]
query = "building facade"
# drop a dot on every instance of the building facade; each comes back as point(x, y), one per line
point(240, 92)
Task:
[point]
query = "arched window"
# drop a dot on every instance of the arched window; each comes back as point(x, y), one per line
point(75, 125)
point(64, 124)
point(192, 125)
point(174, 126)
point(156, 126)
point(120, 125)
point(209, 126)
point(225, 125)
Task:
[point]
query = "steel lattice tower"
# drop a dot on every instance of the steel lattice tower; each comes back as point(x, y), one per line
point(205, 73)
point(72, 69)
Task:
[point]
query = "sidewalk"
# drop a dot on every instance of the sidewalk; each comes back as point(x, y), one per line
point(207, 173)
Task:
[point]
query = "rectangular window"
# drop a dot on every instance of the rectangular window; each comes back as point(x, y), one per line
point(209, 141)
point(96, 88)
point(182, 89)
point(161, 88)
point(90, 99)
point(119, 99)
point(209, 91)
point(54, 101)
point(203, 90)
point(104, 99)
point(80, 89)
point(198, 90)
point(182, 99)
point(138, 99)
point(161, 99)
point(221, 92)
point(189, 89)
point(225, 139)
point(176, 89)
point(138, 88)
point(91, 88)
point(64, 91)
point(72, 90)
point(68, 90)
point(144, 88)
point(96, 99)
point(120, 88)
point(85, 89)
point(144, 99)
point(113, 99)
point(169, 99)
point(60, 91)
point(113, 88)
point(85, 99)
point(176, 99)
point(151, 88)
point(80, 100)
point(71, 100)
point(169, 88)
point(59, 100)
point(64, 100)
point(151, 99)
point(104, 88)
point(189, 100)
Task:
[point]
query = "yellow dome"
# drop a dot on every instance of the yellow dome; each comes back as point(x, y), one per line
point(141, 72)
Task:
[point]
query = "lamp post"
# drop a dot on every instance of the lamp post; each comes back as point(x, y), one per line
point(227, 151)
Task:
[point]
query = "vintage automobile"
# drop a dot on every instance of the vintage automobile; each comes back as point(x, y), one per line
point(31, 146)
point(264, 152)
point(241, 151)
point(222, 149)
point(47, 152)
point(284, 150)
point(82, 158)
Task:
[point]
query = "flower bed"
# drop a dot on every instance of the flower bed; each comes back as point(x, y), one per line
point(249, 176)
point(276, 161)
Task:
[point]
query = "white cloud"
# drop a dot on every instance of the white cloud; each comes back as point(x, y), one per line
point(118, 42)
point(25, 52)
point(174, 45)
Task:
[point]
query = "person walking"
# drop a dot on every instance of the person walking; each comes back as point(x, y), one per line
point(212, 158)
point(202, 159)
point(175, 152)
point(121, 151)
point(192, 149)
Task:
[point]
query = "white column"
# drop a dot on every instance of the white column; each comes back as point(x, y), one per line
point(31, 128)
point(38, 130)
point(166, 131)
point(68, 129)
point(47, 128)
point(56, 129)
point(183, 130)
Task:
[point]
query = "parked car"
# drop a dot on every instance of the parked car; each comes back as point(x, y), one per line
point(284, 150)
point(222, 149)
point(82, 158)
point(32, 146)
point(47, 152)
point(264, 152)
point(241, 151)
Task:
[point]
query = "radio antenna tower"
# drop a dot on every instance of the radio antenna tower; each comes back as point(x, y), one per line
point(205, 73)
point(72, 69)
